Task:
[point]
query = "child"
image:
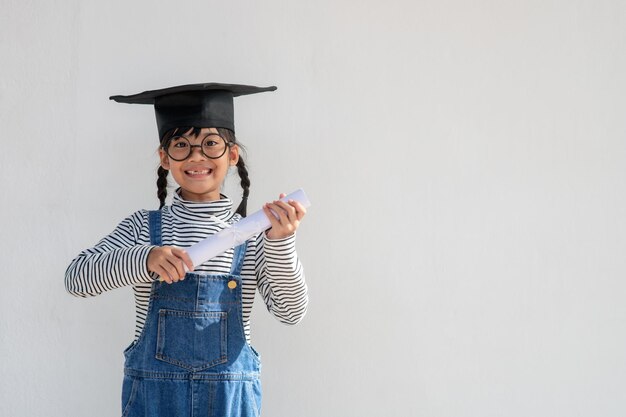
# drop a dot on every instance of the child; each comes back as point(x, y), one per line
point(191, 355)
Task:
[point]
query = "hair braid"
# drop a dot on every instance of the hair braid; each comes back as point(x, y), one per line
point(245, 184)
point(162, 185)
point(241, 169)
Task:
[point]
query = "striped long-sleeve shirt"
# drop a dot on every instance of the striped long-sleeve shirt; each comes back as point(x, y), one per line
point(120, 259)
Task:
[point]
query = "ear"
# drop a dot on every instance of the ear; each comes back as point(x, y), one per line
point(165, 160)
point(233, 155)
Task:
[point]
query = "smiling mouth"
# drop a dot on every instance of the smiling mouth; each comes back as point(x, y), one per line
point(199, 172)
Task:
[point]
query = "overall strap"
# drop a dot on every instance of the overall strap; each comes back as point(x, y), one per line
point(238, 256)
point(154, 218)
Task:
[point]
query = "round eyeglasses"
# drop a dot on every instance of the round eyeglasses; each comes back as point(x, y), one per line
point(213, 146)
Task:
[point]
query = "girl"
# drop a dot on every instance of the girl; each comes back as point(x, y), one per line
point(191, 355)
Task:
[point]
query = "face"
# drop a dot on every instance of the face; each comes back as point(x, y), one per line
point(199, 177)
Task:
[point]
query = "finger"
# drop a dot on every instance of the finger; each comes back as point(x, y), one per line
point(163, 275)
point(282, 195)
point(282, 214)
point(171, 270)
point(270, 215)
point(273, 210)
point(179, 268)
point(290, 211)
point(300, 210)
point(184, 256)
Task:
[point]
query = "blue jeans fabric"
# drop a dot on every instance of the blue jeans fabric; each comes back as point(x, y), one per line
point(192, 358)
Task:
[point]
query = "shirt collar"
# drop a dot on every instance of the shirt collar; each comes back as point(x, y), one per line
point(205, 211)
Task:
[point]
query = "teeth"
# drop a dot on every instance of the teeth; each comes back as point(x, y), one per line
point(206, 171)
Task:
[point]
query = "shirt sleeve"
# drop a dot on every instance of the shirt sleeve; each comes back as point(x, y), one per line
point(280, 278)
point(116, 261)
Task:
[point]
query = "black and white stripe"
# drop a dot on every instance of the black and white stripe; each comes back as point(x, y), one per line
point(120, 259)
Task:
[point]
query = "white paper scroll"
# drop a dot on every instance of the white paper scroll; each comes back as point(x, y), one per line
point(238, 233)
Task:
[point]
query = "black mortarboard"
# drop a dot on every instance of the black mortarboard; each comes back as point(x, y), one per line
point(197, 105)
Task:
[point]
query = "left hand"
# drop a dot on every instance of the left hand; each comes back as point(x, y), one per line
point(289, 216)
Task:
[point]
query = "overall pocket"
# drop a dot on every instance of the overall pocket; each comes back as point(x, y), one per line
point(194, 340)
point(130, 386)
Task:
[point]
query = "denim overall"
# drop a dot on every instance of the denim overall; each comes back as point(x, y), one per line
point(192, 358)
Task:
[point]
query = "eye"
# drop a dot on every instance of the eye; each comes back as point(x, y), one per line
point(212, 141)
point(179, 142)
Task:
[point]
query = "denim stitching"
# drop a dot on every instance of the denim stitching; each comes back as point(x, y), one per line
point(208, 376)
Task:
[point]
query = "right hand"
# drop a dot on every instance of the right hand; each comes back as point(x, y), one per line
point(169, 262)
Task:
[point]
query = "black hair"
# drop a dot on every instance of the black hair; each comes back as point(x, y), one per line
point(227, 134)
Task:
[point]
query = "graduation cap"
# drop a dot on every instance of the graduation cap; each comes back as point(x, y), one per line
point(197, 105)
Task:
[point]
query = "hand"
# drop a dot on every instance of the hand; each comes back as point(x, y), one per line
point(169, 263)
point(286, 219)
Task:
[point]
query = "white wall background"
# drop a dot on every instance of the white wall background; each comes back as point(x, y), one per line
point(465, 250)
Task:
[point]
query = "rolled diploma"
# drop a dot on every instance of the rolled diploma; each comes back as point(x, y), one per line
point(238, 233)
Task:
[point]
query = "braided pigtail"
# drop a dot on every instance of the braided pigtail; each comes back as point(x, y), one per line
point(245, 184)
point(162, 172)
point(229, 135)
point(162, 185)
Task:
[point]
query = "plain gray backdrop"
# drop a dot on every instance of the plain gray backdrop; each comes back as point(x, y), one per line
point(465, 248)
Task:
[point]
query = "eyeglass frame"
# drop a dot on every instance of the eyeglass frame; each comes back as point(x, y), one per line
point(166, 145)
